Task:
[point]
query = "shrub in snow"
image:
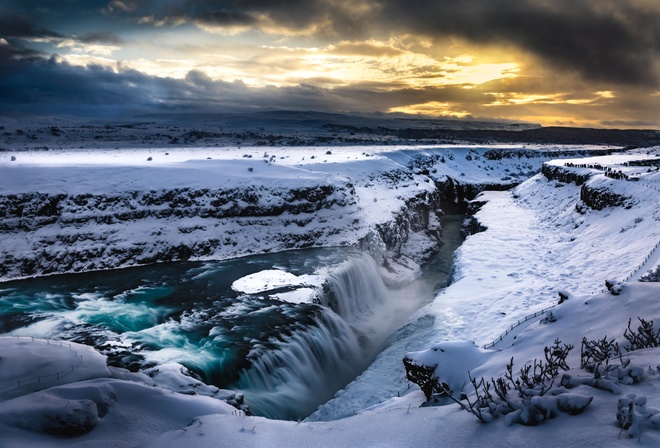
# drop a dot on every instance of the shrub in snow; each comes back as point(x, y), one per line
point(614, 287)
point(563, 296)
point(644, 337)
point(569, 382)
point(441, 369)
point(549, 319)
point(596, 352)
point(526, 398)
point(13, 158)
point(651, 276)
point(633, 416)
point(425, 378)
point(596, 356)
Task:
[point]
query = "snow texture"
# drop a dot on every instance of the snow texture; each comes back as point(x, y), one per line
point(540, 238)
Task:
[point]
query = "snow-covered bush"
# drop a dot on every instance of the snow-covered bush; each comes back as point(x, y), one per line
point(644, 337)
point(633, 416)
point(527, 398)
point(596, 352)
point(614, 287)
point(651, 276)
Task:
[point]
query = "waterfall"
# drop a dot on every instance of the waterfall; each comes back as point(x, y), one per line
point(286, 357)
point(308, 366)
point(305, 370)
point(354, 289)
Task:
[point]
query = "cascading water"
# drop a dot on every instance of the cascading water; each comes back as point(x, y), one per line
point(287, 356)
point(304, 370)
point(309, 366)
point(354, 289)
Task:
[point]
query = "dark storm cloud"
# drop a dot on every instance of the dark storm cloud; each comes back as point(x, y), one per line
point(294, 13)
point(46, 85)
point(227, 18)
point(9, 53)
point(103, 38)
point(19, 26)
point(22, 28)
point(616, 41)
point(345, 18)
point(603, 40)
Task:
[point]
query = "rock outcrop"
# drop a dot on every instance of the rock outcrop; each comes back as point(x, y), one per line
point(53, 233)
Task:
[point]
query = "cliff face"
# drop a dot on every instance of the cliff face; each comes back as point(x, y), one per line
point(598, 190)
point(31, 211)
point(72, 212)
point(565, 174)
point(50, 233)
point(599, 195)
point(54, 233)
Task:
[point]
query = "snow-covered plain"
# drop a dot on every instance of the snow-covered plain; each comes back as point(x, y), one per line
point(540, 239)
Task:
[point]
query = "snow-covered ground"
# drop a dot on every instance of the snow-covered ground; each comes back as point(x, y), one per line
point(541, 238)
point(82, 210)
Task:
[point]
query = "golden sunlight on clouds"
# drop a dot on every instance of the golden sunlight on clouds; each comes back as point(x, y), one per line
point(433, 108)
point(544, 61)
point(383, 63)
point(171, 68)
point(513, 98)
point(265, 24)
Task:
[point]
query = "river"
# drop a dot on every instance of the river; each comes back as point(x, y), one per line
point(287, 355)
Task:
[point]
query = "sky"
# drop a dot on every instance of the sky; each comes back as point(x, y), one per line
point(592, 63)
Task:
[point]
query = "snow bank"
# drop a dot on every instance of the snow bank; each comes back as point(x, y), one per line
point(28, 364)
point(54, 388)
point(273, 279)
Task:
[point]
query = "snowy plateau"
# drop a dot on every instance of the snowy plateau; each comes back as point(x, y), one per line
point(558, 273)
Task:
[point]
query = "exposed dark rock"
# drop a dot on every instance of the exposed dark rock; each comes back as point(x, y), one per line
point(601, 197)
point(424, 377)
point(565, 174)
point(471, 224)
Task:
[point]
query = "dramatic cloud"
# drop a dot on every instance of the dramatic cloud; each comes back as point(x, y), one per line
point(103, 38)
point(586, 62)
point(23, 27)
point(616, 41)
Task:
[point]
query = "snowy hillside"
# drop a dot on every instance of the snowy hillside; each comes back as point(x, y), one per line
point(71, 211)
point(568, 229)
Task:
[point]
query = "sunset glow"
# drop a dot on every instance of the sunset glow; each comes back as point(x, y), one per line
point(445, 58)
